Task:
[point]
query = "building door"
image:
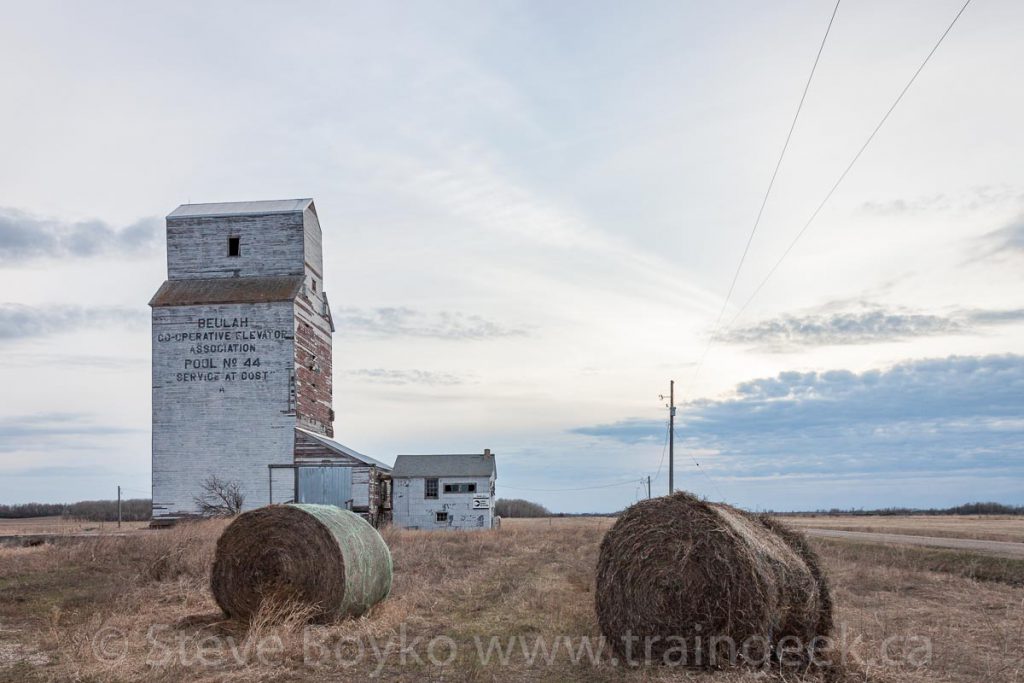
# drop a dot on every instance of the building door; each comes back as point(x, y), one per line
point(400, 500)
point(326, 486)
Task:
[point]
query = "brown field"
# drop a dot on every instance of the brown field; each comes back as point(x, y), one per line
point(982, 527)
point(59, 525)
point(137, 607)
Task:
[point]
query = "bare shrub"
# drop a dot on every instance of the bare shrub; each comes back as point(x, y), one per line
point(220, 498)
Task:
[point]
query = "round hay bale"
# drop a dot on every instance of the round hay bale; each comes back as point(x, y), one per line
point(319, 556)
point(822, 611)
point(684, 581)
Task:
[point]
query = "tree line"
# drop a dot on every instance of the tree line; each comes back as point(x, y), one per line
point(517, 507)
point(132, 510)
point(966, 509)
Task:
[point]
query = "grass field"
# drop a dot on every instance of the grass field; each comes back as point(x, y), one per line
point(137, 607)
point(29, 526)
point(982, 527)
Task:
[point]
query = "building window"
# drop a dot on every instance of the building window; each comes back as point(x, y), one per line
point(234, 246)
point(460, 488)
point(441, 516)
point(314, 285)
point(430, 488)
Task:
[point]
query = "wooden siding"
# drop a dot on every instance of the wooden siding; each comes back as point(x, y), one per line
point(283, 488)
point(309, 450)
point(313, 371)
point(413, 510)
point(197, 247)
point(368, 487)
point(215, 412)
point(205, 423)
point(313, 242)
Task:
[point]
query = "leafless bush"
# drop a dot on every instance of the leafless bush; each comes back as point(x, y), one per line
point(220, 498)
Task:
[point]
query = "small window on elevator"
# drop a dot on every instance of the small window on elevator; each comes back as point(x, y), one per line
point(234, 246)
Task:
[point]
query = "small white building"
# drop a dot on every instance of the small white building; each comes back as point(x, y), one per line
point(444, 491)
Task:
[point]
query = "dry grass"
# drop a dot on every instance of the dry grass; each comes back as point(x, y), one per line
point(61, 525)
point(59, 602)
point(601, 523)
point(964, 563)
point(981, 527)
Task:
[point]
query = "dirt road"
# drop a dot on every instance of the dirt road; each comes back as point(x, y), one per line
point(1001, 548)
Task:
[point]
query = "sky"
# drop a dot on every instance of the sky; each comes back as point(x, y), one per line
point(532, 214)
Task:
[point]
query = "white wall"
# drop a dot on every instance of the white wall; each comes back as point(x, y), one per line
point(412, 510)
point(197, 247)
point(284, 484)
point(208, 421)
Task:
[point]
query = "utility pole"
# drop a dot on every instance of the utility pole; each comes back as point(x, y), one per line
point(671, 434)
point(119, 507)
point(648, 487)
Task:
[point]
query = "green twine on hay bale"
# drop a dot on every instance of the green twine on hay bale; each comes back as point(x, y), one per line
point(319, 556)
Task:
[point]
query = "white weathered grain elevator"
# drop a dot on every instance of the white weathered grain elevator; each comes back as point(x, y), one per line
point(242, 378)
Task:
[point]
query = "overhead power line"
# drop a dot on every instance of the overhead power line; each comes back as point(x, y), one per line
point(768, 192)
point(721, 496)
point(849, 166)
point(663, 451)
point(580, 488)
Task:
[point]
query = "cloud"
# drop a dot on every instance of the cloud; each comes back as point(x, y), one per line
point(383, 376)
point(973, 199)
point(77, 361)
point(59, 471)
point(406, 322)
point(871, 324)
point(471, 189)
point(18, 321)
point(24, 236)
point(44, 431)
point(1008, 240)
point(901, 206)
point(921, 418)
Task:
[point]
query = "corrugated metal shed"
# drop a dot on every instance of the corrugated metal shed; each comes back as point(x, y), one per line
point(455, 465)
point(242, 208)
point(344, 450)
point(227, 290)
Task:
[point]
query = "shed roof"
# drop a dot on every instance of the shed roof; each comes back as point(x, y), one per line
point(455, 465)
point(344, 450)
point(260, 208)
point(227, 290)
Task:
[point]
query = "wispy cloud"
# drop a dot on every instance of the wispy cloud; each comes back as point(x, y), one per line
point(868, 325)
point(18, 321)
point(24, 236)
point(427, 377)
point(42, 431)
point(1008, 240)
point(32, 358)
point(407, 322)
point(472, 190)
point(929, 416)
point(976, 198)
point(48, 471)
